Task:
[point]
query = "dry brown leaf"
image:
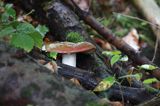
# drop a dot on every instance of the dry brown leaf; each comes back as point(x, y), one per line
point(104, 44)
point(132, 39)
point(75, 81)
point(51, 66)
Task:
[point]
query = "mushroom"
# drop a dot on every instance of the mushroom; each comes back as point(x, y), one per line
point(69, 50)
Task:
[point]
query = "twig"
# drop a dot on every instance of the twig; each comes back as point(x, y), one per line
point(155, 49)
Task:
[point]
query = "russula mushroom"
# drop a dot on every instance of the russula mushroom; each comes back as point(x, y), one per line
point(69, 50)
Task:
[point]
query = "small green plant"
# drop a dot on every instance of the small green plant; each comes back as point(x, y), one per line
point(74, 37)
point(23, 34)
point(116, 56)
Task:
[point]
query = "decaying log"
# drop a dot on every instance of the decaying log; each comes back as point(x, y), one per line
point(133, 95)
point(24, 82)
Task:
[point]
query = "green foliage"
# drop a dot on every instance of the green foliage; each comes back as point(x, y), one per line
point(130, 22)
point(22, 41)
point(126, 23)
point(116, 56)
point(42, 29)
point(150, 81)
point(147, 67)
point(53, 55)
point(7, 31)
point(114, 59)
point(106, 21)
point(74, 37)
point(9, 12)
point(23, 34)
point(158, 2)
point(105, 84)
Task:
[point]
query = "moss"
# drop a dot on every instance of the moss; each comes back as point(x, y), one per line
point(55, 85)
point(74, 37)
point(29, 90)
point(48, 93)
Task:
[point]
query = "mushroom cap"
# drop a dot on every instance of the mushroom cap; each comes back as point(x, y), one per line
point(69, 47)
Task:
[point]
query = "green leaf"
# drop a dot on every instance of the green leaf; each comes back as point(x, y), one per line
point(147, 67)
point(53, 55)
point(5, 17)
point(115, 59)
point(150, 80)
point(8, 6)
point(10, 11)
point(22, 41)
point(25, 28)
point(111, 53)
point(38, 39)
point(42, 29)
point(7, 31)
point(105, 84)
point(124, 58)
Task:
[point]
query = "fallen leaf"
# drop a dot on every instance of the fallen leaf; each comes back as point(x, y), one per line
point(104, 44)
point(105, 84)
point(132, 39)
point(51, 66)
point(75, 81)
point(106, 102)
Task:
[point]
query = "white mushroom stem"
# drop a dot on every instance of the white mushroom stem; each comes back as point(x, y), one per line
point(69, 59)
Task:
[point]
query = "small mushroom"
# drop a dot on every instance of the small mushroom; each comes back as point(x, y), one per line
point(69, 50)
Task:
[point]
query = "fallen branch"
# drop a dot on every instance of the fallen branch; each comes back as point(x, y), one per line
point(117, 42)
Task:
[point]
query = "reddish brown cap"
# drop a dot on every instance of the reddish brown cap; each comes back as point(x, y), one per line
point(69, 47)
